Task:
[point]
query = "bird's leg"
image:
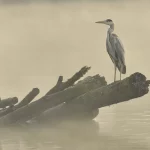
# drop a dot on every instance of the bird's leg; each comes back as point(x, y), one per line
point(115, 73)
point(120, 76)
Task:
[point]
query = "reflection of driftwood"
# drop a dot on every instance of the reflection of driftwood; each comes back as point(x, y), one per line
point(127, 89)
point(8, 102)
point(37, 107)
point(24, 102)
point(68, 100)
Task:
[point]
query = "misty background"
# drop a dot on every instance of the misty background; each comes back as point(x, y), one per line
point(41, 41)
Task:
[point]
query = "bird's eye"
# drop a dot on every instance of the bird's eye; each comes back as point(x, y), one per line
point(109, 20)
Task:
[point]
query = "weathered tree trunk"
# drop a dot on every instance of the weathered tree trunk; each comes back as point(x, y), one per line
point(48, 101)
point(120, 91)
point(79, 100)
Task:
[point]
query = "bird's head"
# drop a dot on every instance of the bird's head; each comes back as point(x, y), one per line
point(107, 22)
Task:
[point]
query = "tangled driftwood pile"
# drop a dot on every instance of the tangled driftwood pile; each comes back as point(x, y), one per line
point(71, 100)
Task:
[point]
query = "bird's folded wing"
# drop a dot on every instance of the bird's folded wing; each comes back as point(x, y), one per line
point(119, 48)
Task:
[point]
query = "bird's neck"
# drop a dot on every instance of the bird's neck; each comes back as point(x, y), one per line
point(111, 29)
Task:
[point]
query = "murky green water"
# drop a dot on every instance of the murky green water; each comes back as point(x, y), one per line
point(39, 42)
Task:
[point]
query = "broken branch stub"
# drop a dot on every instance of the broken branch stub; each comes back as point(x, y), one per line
point(28, 98)
point(60, 86)
point(8, 102)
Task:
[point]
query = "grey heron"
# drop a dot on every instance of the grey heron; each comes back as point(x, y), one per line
point(115, 48)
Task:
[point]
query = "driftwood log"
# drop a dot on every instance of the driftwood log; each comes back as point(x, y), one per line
point(59, 87)
point(131, 87)
point(37, 107)
point(67, 100)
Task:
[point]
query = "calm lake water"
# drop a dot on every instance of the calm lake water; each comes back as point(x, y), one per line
point(40, 41)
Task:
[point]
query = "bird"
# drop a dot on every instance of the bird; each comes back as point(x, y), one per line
point(115, 48)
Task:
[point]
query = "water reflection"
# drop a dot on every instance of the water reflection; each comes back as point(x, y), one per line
point(66, 136)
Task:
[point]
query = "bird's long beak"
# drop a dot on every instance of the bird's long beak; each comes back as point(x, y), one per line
point(100, 22)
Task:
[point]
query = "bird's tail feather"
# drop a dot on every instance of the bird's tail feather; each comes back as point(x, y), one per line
point(122, 69)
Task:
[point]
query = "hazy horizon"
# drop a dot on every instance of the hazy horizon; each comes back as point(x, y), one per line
point(68, 30)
